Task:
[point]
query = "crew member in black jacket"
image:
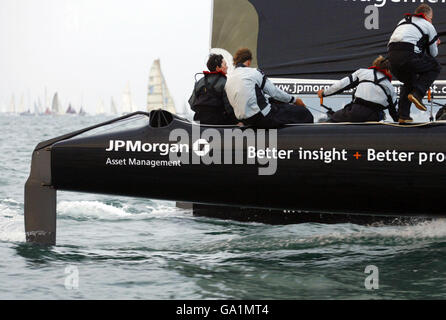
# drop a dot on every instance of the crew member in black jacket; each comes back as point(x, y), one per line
point(209, 100)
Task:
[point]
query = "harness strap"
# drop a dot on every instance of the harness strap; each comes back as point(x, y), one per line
point(263, 83)
point(423, 43)
point(377, 81)
point(207, 86)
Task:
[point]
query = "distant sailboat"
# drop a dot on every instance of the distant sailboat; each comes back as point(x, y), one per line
point(46, 105)
point(21, 106)
point(37, 107)
point(22, 109)
point(158, 95)
point(113, 108)
point(127, 104)
point(55, 106)
point(82, 111)
point(186, 113)
point(100, 110)
point(70, 110)
point(11, 108)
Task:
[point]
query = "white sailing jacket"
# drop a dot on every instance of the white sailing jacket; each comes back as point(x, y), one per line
point(411, 34)
point(365, 80)
point(248, 89)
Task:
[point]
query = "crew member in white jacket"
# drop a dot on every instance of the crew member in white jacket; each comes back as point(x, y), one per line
point(257, 101)
point(413, 47)
point(374, 94)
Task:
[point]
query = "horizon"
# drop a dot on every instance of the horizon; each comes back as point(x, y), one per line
point(87, 52)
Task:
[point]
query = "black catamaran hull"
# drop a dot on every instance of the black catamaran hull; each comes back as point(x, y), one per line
point(358, 181)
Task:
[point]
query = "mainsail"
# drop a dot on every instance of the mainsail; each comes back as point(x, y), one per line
point(55, 106)
point(314, 40)
point(158, 94)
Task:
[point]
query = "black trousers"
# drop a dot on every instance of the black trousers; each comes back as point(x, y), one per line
point(354, 112)
point(215, 118)
point(417, 72)
point(280, 115)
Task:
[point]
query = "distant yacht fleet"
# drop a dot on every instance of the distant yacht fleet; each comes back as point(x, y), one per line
point(158, 97)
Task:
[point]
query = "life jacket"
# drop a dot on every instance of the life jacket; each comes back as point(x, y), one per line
point(423, 43)
point(207, 98)
point(261, 99)
point(377, 81)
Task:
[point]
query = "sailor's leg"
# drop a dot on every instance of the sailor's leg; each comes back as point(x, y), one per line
point(285, 113)
point(343, 115)
point(356, 113)
point(428, 70)
point(404, 103)
point(362, 113)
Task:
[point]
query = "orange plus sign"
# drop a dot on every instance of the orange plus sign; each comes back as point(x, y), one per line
point(357, 155)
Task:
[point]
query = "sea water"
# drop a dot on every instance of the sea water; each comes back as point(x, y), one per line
point(130, 248)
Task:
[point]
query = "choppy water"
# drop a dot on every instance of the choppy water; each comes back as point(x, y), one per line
point(128, 248)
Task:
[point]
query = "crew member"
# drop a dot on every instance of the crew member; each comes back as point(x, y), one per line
point(413, 47)
point(374, 94)
point(247, 89)
point(209, 100)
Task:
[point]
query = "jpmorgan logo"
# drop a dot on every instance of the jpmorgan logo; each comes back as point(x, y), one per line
point(201, 147)
point(210, 146)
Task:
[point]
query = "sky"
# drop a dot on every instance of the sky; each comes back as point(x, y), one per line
point(89, 50)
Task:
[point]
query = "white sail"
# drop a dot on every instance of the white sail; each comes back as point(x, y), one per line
point(127, 104)
point(158, 95)
point(4, 107)
point(46, 103)
point(11, 108)
point(38, 106)
point(113, 108)
point(101, 107)
point(21, 105)
point(55, 106)
point(82, 111)
point(46, 100)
